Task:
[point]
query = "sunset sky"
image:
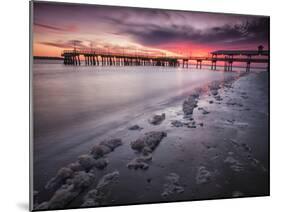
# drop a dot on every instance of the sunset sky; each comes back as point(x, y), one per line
point(57, 26)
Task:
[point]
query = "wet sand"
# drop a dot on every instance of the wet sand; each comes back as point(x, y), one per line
point(211, 144)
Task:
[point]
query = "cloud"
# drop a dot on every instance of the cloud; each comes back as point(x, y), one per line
point(253, 31)
point(66, 44)
point(70, 28)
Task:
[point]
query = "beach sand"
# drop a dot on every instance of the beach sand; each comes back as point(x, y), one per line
point(211, 144)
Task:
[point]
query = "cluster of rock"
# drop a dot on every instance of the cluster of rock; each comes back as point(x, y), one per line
point(135, 127)
point(190, 123)
point(105, 147)
point(233, 163)
point(157, 119)
point(214, 87)
point(234, 102)
point(72, 187)
point(189, 104)
point(96, 196)
point(144, 146)
point(172, 186)
point(204, 111)
point(236, 165)
point(73, 179)
point(203, 175)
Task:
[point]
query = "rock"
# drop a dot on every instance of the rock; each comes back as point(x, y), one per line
point(257, 163)
point(231, 121)
point(177, 123)
point(107, 180)
point(157, 119)
point(81, 180)
point(214, 85)
point(218, 98)
point(201, 124)
point(172, 185)
point(112, 143)
point(189, 105)
point(150, 139)
point(195, 95)
point(234, 143)
point(105, 147)
point(75, 167)
point(211, 101)
point(135, 127)
point(138, 145)
point(99, 151)
point(234, 164)
point(203, 175)
point(63, 174)
point(72, 179)
point(140, 162)
point(62, 197)
point(145, 145)
point(214, 92)
point(205, 112)
point(91, 199)
point(232, 102)
point(86, 161)
point(146, 151)
point(69, 191)
point(135, 164)
point(100, 163)
point(209, 145)
point(96, 196)
point(246, 147)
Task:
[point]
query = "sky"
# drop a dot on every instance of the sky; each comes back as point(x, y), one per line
point(58, 27)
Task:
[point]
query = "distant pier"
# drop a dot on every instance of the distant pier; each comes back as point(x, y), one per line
point(100, 58)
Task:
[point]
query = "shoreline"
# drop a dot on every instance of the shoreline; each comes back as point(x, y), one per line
point(181, 162)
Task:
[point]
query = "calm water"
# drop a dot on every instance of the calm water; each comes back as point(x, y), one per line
point(65, 96)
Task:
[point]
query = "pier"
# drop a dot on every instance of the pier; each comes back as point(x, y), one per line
point(228, 57)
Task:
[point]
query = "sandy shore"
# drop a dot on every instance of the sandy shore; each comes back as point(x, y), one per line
point(212, 144)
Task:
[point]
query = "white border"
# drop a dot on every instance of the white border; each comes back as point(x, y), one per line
point(14, 88)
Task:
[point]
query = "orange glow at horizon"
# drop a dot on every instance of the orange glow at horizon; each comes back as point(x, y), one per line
point(47, 51)
point(52, 51)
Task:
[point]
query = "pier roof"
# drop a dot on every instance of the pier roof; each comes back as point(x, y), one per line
point(241, 52)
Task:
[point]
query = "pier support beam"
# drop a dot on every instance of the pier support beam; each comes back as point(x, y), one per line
point(248, 66)
point(199, 64)
point(214, 65)
point(230, 65)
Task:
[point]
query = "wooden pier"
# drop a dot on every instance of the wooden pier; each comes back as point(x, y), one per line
point(228, 57)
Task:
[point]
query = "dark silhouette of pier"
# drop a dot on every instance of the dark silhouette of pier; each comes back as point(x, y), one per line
point(106, 58)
